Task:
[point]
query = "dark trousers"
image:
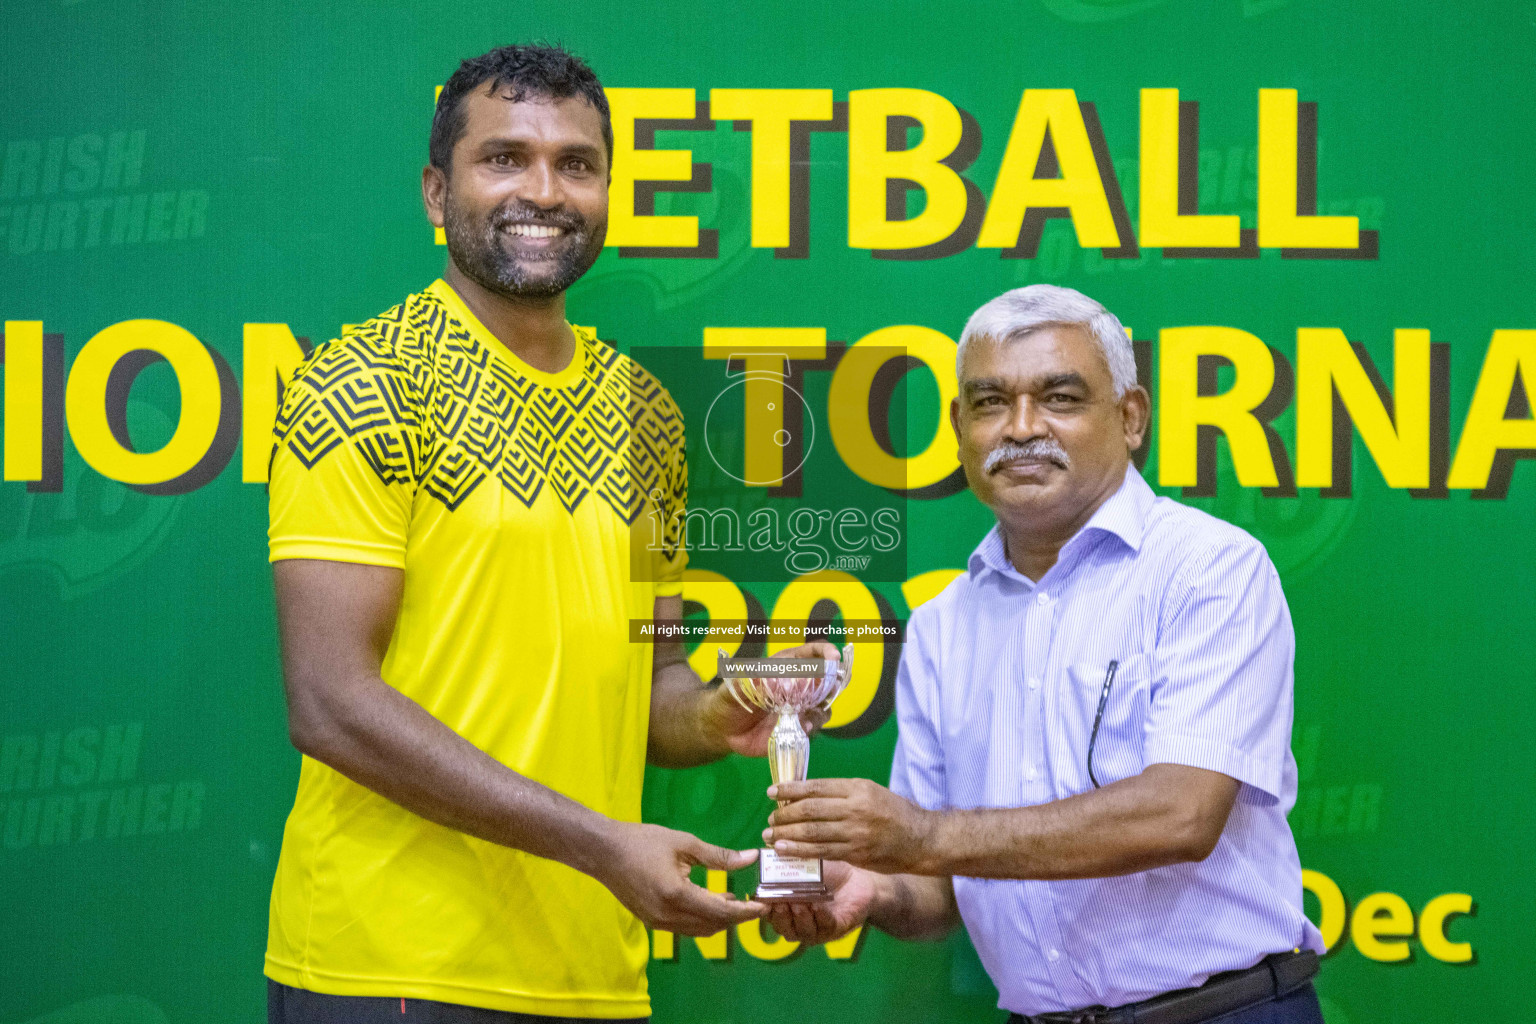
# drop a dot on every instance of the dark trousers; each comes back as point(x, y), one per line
point(299, 1006)
point(1296, 1007)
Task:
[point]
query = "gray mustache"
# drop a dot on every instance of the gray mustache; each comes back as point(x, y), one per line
point(1036, 448)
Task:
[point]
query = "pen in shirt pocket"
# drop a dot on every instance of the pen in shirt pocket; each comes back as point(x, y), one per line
point(1098, 716)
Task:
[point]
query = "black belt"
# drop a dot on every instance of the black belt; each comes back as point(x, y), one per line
point(1274, 976)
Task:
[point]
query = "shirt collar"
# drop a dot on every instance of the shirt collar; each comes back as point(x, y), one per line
point(989, 554)
point(1123, 515)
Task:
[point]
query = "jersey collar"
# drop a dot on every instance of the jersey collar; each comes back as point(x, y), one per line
point(461, 312)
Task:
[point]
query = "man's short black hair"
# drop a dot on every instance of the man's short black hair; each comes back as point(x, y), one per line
point(545, 72)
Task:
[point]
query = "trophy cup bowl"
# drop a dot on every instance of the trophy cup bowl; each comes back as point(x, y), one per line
point(787, 687)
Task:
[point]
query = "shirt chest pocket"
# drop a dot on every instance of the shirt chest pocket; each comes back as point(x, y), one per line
point(1108, 713)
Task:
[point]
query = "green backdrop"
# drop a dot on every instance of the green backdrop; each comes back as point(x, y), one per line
point(214, 165)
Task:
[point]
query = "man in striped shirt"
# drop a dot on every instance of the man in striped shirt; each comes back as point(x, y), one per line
point(1094, 762)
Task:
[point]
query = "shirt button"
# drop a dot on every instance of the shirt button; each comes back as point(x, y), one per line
point(1034, 684)
point(1042, 598)
point(1054, 955)
point(1033, 773)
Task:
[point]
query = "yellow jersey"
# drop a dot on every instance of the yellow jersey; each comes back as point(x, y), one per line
point(515, 502)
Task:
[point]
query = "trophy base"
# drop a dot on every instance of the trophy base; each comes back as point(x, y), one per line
point(815, 893)
point(789, 879)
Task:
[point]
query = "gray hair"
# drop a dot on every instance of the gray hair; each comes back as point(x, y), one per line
point(1016, 313)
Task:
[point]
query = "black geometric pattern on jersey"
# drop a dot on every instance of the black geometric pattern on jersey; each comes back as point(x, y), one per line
point(427, 405)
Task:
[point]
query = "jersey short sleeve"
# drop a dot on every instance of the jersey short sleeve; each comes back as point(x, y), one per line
point(347, 449)
point(671, 558)
point(655, 472)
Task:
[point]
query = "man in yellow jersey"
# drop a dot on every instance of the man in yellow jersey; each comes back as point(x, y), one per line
point(457, 490)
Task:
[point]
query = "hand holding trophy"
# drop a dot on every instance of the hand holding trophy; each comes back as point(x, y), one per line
point(787, 687)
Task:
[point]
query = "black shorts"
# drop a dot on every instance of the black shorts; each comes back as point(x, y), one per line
point(299, 1006)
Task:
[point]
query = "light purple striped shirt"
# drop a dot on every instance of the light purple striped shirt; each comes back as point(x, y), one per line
point(995, 699)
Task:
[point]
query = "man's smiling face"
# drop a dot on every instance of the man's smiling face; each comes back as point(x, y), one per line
point(1043, 438)
point(525, 208)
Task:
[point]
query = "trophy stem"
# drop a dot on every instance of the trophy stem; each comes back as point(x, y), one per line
point(789, 749)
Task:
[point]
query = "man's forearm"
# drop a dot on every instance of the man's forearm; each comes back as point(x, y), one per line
point(679, 737)
point(913, 906)
point(380, 738)
point(1134, 825)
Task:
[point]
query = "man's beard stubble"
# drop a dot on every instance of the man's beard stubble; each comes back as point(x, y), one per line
point(481, 250)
